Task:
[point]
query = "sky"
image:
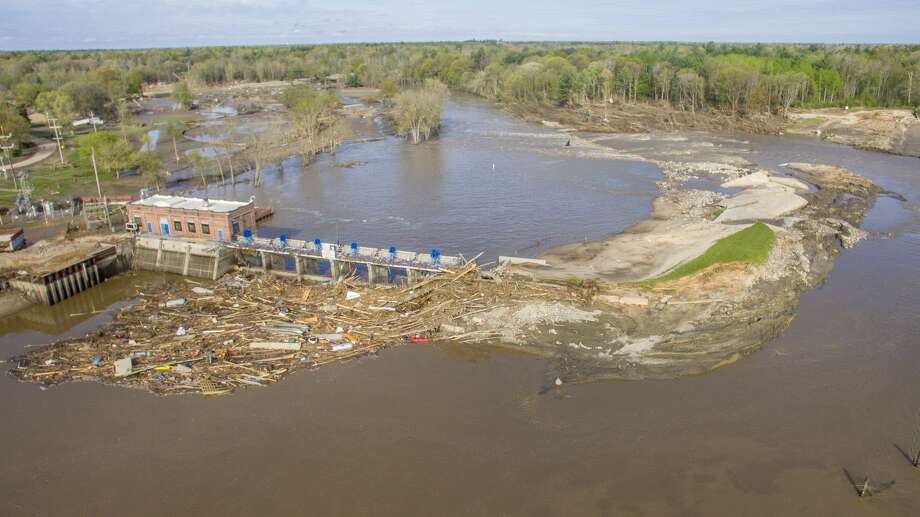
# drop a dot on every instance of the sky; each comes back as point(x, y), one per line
point(77, 24)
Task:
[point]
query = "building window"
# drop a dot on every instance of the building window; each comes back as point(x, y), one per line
point(206, 228)
point(177, 225)
point(236, 228)
point(191, 227)
point(137, 220)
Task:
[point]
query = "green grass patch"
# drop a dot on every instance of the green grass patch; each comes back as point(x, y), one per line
point(751, 245)
point(809, 122)
point(50, 183)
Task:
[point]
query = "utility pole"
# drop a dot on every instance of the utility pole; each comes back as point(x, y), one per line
point(8, 148)
point(9, 158)
point(53, 125)
point(96, 172)
point(105, 202)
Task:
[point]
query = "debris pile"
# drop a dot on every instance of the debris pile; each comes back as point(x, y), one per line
point(253, 330)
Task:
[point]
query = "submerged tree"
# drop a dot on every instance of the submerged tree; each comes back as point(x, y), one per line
point(258, 151)
point(202, 166)
point(174, 129)
point(182, 94)
point(418, 111)
point(150, 166)
point(307, 113)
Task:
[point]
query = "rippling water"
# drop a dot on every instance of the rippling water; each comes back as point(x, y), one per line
point(463, 430)
point(489, 183)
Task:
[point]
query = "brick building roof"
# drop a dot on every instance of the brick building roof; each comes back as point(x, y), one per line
point(191, 203)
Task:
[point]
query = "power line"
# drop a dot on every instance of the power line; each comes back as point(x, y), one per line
point(53, 125)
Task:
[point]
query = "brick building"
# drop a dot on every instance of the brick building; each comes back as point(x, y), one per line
point(193, 218)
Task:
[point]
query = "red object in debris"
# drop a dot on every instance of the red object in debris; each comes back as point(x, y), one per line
point(418, 339)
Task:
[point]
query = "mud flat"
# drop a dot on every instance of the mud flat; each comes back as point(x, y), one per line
point(894, 131)
point(652, 320)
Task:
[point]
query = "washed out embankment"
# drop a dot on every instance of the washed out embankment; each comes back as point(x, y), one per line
point(709, 278)
point(613, 308)
point(895, 131)
point(689, 290)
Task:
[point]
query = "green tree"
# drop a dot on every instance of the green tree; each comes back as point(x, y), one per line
point(150, 165)
point(24, 94)
point(112, 154)
point(732, 84)
point(15, 124)
point(134, 83)
point(306, 117)
point(295, 94)
point(182, 94)
point(388, 90)
point(125, 117)
point(566, 87)
point(58, 105)
point(418, 111)
point(87, 97)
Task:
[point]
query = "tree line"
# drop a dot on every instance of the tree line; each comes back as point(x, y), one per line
point(739, 78)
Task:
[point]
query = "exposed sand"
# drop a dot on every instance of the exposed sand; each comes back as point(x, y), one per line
point(713, 317)
point(48, 255)
point(890, 130)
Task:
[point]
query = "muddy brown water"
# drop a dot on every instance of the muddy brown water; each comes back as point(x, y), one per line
point(448, 430)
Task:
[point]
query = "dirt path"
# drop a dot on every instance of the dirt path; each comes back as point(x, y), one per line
point(45, 150)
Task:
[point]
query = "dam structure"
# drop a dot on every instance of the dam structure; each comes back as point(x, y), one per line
point(316, 260)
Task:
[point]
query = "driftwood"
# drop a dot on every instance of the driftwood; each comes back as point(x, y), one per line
point(253, 330)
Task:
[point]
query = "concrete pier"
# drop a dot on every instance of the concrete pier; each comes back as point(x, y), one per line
point(67, 281)
point(202, 259)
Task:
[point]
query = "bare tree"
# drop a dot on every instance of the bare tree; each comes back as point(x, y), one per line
point(202, 166)
point(258, 150)
point(690, 89)
point(662, 75)
point(174, 129)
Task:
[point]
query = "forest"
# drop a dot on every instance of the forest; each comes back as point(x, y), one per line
point(740, 79)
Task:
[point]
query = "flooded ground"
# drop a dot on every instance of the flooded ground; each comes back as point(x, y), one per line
point(491, 183)
point(422, 429)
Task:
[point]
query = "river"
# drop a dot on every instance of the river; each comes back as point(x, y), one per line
point(491, 183)
point(469, 430)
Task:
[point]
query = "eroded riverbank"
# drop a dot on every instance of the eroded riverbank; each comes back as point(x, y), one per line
point(466, 429)
point(631, 329)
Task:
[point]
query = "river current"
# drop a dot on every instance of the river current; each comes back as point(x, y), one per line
point(468, 430)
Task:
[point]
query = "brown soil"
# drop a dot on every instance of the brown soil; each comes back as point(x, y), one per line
point(48, 255)
point(706, 320)
point(643, 118)
point(895, 131)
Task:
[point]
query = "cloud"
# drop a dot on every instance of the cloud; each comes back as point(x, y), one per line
point(28, 24)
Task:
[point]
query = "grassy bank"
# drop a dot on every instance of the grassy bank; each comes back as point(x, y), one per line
point(50, 181)
point(751, 245)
